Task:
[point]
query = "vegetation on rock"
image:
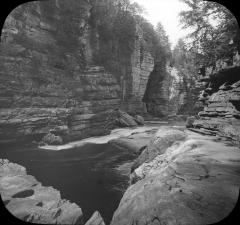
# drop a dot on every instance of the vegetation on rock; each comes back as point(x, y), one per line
point(216, 33)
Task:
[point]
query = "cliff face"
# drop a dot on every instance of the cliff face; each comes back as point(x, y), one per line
point(67, 64)
point(141, 67)
point(221, 97)
point(52, 79)
point(169, 93)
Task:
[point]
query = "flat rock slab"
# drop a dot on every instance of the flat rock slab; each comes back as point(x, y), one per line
point(28, 200)
point(135, 141)
point(195, 181)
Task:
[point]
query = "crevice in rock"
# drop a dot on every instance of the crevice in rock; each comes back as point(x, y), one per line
point(236, 104)
point(40, 204)
point(6, 202)
point(24, 194)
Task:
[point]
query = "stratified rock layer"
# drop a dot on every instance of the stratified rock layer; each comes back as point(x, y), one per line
point(221, 96)
point(142, 64)
point(50, 81)
point(193, 182)
point(28, 200)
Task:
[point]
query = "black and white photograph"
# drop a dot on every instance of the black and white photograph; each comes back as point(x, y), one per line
point(120, 112)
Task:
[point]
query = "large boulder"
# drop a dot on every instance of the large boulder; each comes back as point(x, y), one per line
point(139, 119)
point(135, 142)
point(98, 124)
point(116, 118)
point(52, 139)
point(162, 139)
point(190, 120)
point(123, 119)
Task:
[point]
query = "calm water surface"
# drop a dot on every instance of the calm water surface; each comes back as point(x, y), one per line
point(86, 175)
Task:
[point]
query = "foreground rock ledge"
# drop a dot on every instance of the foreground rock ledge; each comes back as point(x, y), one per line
point(195, 181)
point(28, 200)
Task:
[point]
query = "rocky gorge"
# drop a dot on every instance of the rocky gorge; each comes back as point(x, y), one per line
point(53, 81)
point(92, 108)
point(175, 171)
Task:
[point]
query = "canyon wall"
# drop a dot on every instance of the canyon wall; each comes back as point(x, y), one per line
point(221, 98)
point(67, 64)
point(142, 66)
point(169, 93)
point(52, 79)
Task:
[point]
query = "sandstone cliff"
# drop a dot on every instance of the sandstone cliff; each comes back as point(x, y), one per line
point(221, 98)
point(169, 93)
point(52, 79)
point(65, 64)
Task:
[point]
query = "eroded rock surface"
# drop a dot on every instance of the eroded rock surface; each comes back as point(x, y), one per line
point(25, 198)
point(221, 98)
point(135, 142)
point(158, 144)
point(193, 182)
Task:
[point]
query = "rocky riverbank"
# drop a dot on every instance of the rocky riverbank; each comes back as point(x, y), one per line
point(189, 176)
point(178, 176)
point(221, 114)
point(181, 177)
point(26, 199)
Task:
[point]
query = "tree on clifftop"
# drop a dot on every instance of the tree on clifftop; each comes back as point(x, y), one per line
point(163, 39)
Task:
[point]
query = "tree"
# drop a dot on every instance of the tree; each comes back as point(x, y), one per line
point(163, 39)
point(179, 53)
point(184, 60)
point(215, 33)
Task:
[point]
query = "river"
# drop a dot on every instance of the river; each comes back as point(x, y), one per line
point(94, 176)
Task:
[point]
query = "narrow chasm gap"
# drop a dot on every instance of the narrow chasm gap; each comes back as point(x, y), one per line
point(40, 204)
point(236, 104)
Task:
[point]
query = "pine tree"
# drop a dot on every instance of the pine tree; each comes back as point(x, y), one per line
point(216, 33)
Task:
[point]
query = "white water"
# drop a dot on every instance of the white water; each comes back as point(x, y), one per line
point(116, 133)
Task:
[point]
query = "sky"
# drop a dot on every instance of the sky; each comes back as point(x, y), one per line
point(166, 12)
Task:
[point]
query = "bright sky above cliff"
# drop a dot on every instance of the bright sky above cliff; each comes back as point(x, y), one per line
point(166, 12)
